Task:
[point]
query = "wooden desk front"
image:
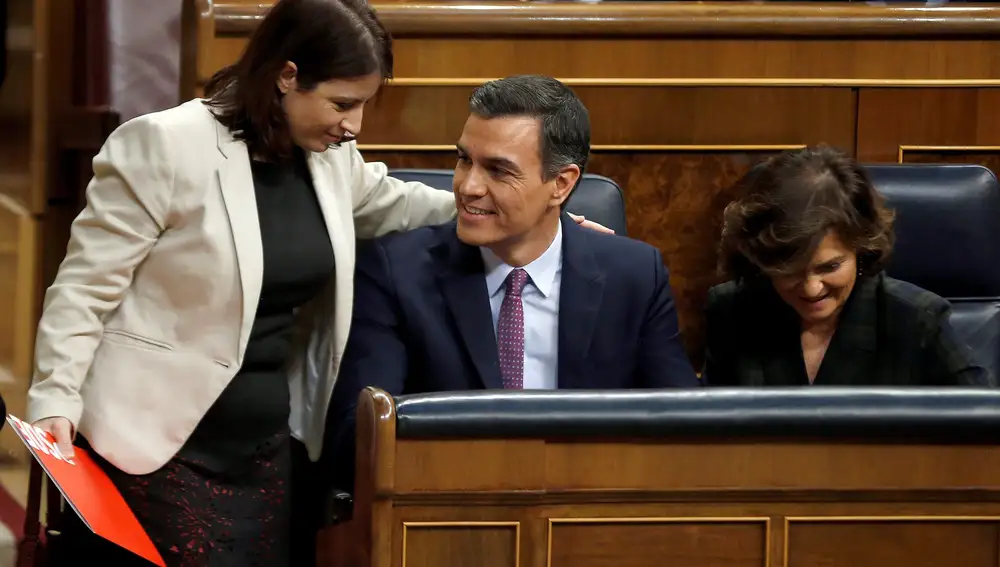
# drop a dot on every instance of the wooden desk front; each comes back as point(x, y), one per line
point(631, 502)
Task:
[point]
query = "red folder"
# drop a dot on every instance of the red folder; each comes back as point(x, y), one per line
point(88, 491)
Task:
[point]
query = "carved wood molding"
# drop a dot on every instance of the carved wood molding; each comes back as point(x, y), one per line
point(561, 497)
point(671, 19)
point(944, 149)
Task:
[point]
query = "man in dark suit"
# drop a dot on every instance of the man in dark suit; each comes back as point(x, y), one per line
point(513, 294)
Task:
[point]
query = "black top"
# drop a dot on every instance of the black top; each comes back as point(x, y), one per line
point(298, 263)
point(890, 333)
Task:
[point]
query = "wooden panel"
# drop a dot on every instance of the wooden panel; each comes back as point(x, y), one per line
point(652, 43)
point(492, 463)
point(37, 83)
point(52, 90)
point(654, 542)
point(16, 97)
point(668, 40)
point(453, 466)
point(435, 115)
point(37, 180)
point(19, 25)
point(890, 118)
point(485, 544)
point(10, 238)
point(8, 299)
point(441, 159)
point(712, 501)
point(776, 464)
point(18, 101)
point(15, 171)
point(698, 60)
point(863, 542)
point(19, 297)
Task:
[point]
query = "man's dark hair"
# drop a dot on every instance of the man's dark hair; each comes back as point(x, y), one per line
point(789, 203)
point(565, 123)
point(325, 39)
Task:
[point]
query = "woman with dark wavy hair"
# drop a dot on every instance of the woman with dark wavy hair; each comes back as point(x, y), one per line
point(808, 302)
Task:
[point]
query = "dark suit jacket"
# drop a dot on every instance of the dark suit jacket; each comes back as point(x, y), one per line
point(891, 333)
point(422, 320)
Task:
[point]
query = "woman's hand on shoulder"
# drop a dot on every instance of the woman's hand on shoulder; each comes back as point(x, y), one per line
point(582, 221)
point(61, 430)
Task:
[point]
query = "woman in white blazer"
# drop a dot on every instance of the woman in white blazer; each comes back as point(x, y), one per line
point(193, 334)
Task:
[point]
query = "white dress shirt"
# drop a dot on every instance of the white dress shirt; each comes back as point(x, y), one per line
point(541, 310)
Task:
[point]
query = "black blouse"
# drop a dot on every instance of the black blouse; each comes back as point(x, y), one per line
point(298, 263)
point(890, 333)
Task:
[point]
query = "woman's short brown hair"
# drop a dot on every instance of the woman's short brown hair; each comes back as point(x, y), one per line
point(325, 39)
point(786, 206)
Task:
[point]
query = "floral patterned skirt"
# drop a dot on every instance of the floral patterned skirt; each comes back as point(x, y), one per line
point(199, 517)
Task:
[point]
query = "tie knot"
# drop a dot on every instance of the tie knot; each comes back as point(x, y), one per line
point(516, 281)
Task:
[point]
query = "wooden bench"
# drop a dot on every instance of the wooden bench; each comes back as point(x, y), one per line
point(770, 478)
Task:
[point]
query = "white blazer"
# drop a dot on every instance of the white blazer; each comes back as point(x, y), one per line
point(148, 318)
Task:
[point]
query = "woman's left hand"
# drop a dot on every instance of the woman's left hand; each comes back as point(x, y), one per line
point(582, 221)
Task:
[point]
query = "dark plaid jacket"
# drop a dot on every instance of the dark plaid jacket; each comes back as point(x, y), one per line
point(891, 333)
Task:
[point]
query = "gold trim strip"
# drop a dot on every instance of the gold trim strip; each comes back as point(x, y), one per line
point(472, 524)
point(707, 82)
point(904, 148)
point(886, 519)
point(820, 519)
point(604, 147)
point(655, 19)
point(661, 520)
point(766, 520)
point(460, 524)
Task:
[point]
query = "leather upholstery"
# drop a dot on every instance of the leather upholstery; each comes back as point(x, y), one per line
point(902, 414)
point(947, 229)
point(598, 198)
point(948, 242)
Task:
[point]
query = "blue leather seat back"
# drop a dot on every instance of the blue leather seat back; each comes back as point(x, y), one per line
point(948, 242)
point(978, 322)
point(598, 198)
point(950, 415)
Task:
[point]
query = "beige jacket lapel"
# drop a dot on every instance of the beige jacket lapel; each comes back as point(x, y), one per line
point(333, 212)
point(334, 200)
point(236, 183)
